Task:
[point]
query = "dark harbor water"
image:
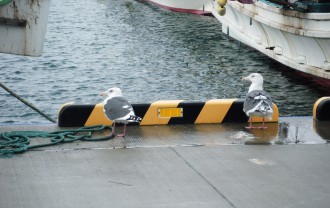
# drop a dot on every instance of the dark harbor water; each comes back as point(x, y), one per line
point(150, 53)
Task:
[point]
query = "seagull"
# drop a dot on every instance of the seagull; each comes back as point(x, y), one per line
point(118, 109)
point(257, 102)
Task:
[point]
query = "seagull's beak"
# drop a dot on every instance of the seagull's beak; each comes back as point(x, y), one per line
point(103, 94)
point(245, 78)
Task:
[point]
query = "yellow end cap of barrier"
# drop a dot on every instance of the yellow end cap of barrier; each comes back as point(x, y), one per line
point(316, 104)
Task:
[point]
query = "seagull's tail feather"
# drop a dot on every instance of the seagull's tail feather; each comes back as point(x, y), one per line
point(134, 119)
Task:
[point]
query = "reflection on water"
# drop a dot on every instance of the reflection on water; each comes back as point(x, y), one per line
point(256, 135)
point(283, 133)
point(293, 130)
point(286, 137)
point(323, 129)
point(264, 136)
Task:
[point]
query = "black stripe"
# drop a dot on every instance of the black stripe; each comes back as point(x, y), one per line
point(74, 115)
point(236, 113)
point(140, 109)
point(323, 110)
point(191, 111)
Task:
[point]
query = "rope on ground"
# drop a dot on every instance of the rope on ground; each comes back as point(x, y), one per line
point(19, 141)
point(27, 103)
point(3, 2)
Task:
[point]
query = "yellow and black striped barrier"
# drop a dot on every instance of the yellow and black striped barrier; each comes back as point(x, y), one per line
point(321, 109)
point(164, 112)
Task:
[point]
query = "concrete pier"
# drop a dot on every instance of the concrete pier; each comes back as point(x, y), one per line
point(219, 165)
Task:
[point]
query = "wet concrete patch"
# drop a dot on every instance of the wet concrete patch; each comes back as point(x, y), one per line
point(290, 130)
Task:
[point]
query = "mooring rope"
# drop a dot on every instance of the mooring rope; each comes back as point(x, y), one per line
point(19, 141)
point(27, 103)
point(3, 2)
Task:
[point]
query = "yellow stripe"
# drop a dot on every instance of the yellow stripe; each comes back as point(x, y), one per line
point(317, 104)
point(214, 111)
point(274, 117)
point(98, 117)
point(151, 117)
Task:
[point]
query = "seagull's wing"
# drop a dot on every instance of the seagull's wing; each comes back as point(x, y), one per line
point(258, 101)
point(118, 108)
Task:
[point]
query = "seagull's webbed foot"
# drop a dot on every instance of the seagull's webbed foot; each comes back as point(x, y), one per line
point(112, 134)
point(251, 127)
point(262, 127)
point(113, 129)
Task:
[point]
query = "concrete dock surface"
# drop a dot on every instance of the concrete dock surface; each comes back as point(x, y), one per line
point(219, 165)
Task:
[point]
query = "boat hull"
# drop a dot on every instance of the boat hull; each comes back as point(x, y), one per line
point(23, 26)
point(200, 7)
point(298, 40)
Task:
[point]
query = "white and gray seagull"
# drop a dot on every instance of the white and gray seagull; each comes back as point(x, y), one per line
point(118, 109)
point(257, 102)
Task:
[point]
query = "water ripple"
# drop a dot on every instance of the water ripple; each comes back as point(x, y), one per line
point(151, 53)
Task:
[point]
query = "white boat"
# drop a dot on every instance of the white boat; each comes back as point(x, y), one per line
point(201, 7)
point(291, 33)
point(23, 25)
